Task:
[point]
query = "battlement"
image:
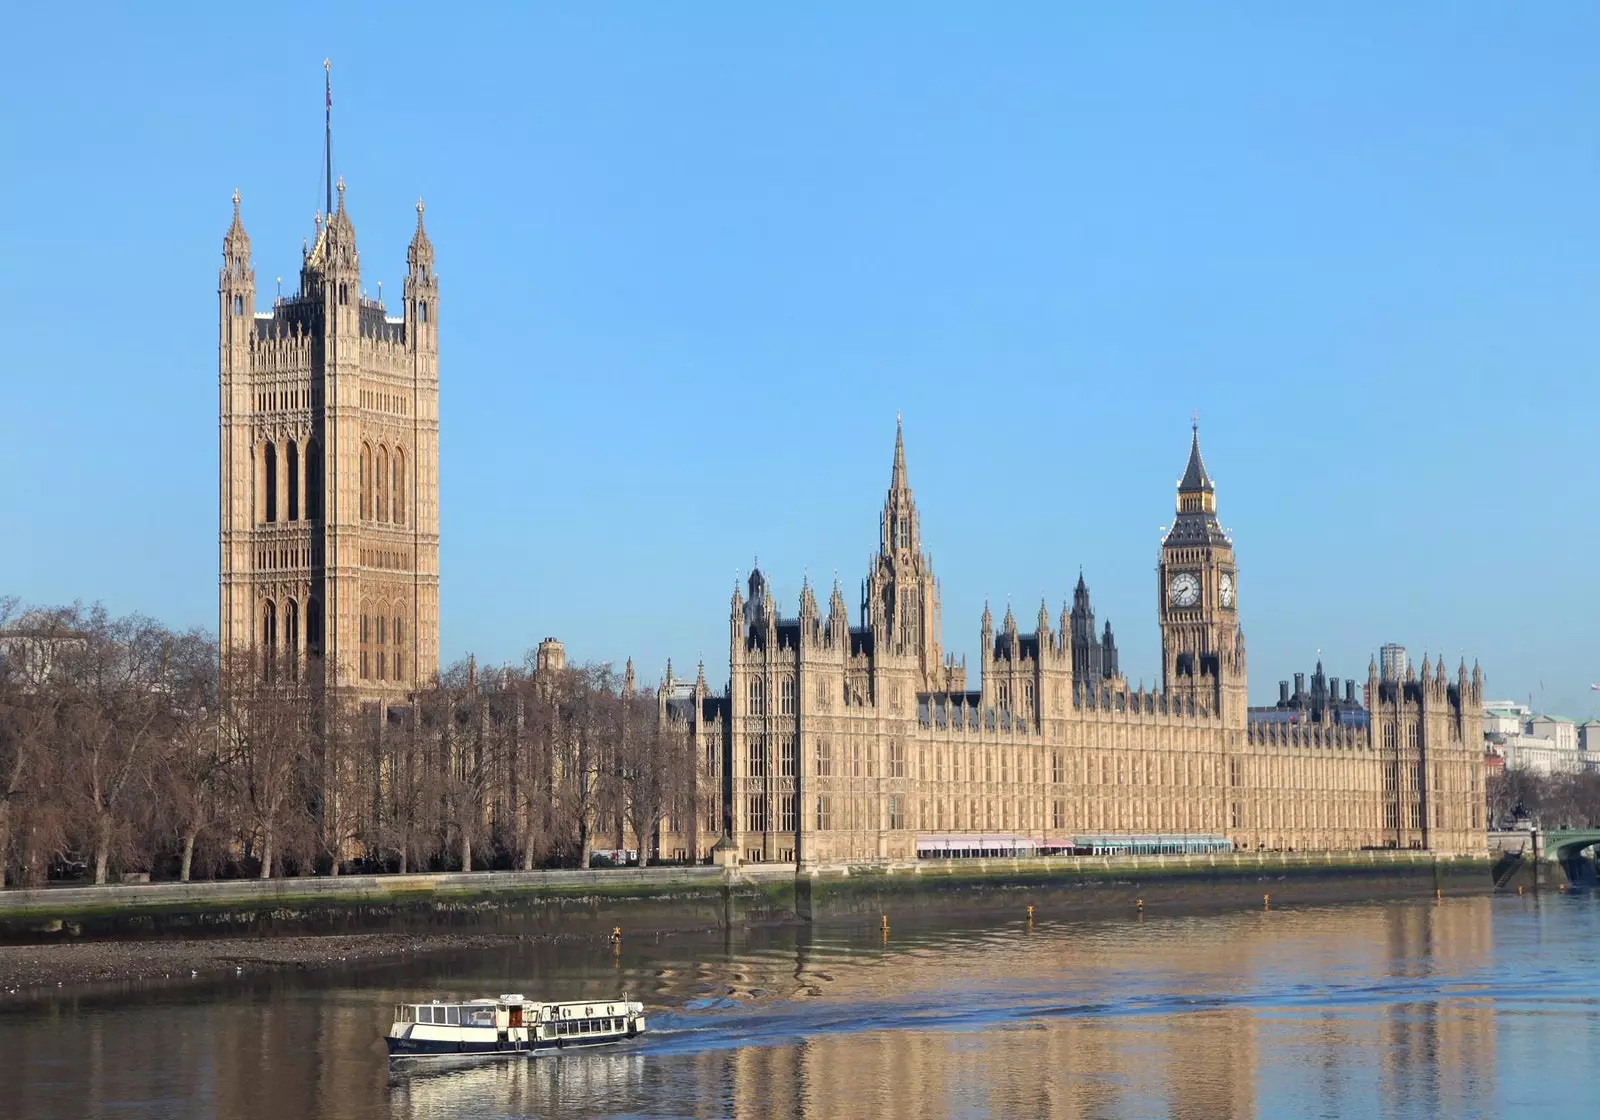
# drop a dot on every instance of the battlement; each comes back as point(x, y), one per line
point(1320, 735)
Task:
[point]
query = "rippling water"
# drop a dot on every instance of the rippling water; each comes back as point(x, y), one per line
point(1482, 1007)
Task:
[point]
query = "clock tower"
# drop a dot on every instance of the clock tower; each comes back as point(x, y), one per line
point(1202, 646)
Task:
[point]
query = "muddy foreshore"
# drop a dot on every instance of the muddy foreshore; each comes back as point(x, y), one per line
point(32, 972)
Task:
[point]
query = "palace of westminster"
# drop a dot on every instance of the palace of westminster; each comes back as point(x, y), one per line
point(834, 742)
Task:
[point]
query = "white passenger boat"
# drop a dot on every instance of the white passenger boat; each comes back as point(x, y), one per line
point(509, 1025)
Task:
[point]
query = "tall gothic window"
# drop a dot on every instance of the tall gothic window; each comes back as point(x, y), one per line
point(291, 630)
point(313, 480)
point(313, 628)
point(366, 482)
point(380, 490)
point(269, 470)
point(758, 812)
point(269, 638)
point(758, 696)
point(786, 814)
point(786, 696)
point(399, 486)
point(291, 459)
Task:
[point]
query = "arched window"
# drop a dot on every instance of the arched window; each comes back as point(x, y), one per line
point(758, 696)
point(381, 488)
point(291, 459)
point(366, 636)
point(422, 311)
point(269, 634)
point(383, 629)
point(291, 631)
point(313, 486)
point(269, 479)
point(399, 486)
point(366, 482)
point(399, 655)
point(313, 628)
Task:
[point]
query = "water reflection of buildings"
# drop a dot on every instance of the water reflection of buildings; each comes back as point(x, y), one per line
point(1310, 999)
point(1355, 1009)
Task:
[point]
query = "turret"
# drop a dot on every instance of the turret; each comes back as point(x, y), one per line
point(236, 286)
point(421, 290)
point(838, 617)
point(808, 612)
point(736, 616)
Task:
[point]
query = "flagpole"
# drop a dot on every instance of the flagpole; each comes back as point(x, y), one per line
point(327, 133)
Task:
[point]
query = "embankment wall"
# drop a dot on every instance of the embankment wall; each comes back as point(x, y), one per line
point(673, 898)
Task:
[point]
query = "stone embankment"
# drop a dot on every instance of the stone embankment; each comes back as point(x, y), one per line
point(169, 930)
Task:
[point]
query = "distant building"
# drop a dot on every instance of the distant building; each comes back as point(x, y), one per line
point(1321, 703)
point(1392, 663)
point(1094, 657)
point(1540, 744)
point(1589, 744)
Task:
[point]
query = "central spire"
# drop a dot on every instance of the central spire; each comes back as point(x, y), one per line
point(899, 520)
point(897, 478)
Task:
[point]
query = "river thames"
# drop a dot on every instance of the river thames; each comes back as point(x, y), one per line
point(1469, 1007)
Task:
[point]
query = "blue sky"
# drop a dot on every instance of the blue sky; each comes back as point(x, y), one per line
point(695, 257)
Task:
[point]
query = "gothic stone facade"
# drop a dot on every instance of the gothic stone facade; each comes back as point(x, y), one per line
point(838, 743)
point(329, 428)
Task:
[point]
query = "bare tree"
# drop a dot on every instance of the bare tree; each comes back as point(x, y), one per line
point(117, 715)
point(194, 767)
point(31, 699)
point(268, 726)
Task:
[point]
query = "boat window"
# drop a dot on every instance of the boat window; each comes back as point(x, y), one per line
point(482, 1017)
point(453, 1016)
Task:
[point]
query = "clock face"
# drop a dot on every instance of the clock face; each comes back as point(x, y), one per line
point(1184, 590)
point(1225, 586)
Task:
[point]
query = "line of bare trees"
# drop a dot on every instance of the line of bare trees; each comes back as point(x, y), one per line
point(1568, 800)
point(127, 748)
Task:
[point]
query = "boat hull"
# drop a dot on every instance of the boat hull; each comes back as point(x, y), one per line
point(447, 1048)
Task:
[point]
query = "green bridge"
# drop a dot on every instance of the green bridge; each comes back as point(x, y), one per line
point(1566, 846)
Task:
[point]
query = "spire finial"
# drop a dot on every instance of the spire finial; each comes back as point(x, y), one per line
point(1194, 421)
point(897, 480)
point(1195, 476)
point(235, 202)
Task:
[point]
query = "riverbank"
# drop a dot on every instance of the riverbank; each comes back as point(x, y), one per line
point(667, 898)
point(31, 971)
point(76, 939)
